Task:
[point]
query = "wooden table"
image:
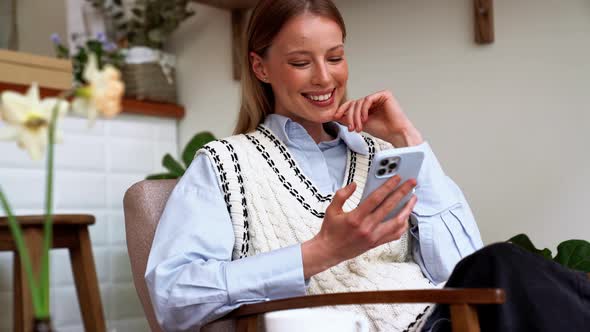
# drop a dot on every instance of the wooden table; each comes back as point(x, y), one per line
point(71, 232)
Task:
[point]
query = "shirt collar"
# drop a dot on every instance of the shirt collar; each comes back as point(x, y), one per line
point(288, 131)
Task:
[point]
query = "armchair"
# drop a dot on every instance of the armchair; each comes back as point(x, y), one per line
point(143, 205)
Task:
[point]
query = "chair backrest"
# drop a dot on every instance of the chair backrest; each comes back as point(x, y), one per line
point(143, 204)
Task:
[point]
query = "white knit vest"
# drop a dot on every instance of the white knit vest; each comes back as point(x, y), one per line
point(272, 205)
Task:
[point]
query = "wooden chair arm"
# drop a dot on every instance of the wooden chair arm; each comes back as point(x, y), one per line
point(463, 313)
point(446, 295)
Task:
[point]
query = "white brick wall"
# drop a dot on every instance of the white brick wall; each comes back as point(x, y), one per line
point(94, 167)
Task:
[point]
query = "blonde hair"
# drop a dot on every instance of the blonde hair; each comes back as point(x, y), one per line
point(266, 21)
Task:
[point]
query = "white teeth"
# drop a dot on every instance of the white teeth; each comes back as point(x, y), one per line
point(321, 97)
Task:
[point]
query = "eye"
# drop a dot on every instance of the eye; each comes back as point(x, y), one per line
point(335, 59)
point(299, 64)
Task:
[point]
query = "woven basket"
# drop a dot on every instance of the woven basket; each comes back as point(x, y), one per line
point(146, 81)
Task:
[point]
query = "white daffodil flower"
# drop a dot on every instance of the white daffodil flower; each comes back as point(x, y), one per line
point(103, 93)
point(27, 119)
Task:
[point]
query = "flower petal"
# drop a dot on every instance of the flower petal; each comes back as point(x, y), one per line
point(48, 104)
point(33, 92)
point(92, 114)
point(59, 137)
point(91, 69)
point(34, 142)
point(8, 133)
point(14, 107)
point(80, 106)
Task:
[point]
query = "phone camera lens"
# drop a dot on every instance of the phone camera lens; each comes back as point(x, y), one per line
point(392, 165)
point(384, 162)
point(381, 171)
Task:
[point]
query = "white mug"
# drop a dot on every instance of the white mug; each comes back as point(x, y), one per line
point(314, 320)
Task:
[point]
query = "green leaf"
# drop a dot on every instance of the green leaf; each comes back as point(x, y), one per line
point(197, 142)
point(574, 254)
point(524, 241)
point(161, 176)
point(172, 165)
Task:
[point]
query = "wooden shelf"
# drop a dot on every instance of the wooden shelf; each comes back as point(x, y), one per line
point(131, 106)
point(229, 4)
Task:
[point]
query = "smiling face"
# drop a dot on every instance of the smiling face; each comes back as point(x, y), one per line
point(306, 68)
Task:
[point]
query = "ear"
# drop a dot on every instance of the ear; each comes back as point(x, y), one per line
point(258, 67)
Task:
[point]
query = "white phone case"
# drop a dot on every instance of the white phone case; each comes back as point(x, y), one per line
point(405, 162)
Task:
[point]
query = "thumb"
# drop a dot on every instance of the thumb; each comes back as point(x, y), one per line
point(342, 195)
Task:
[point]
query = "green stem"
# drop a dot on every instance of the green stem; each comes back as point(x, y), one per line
point(23, 253)
point(47, 226)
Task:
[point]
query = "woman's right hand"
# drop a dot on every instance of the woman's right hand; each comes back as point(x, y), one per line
point(345, 235)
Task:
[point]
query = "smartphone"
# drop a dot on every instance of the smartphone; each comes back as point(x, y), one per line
point(405, 162)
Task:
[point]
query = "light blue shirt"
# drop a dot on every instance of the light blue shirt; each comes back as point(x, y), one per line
point(190, 274)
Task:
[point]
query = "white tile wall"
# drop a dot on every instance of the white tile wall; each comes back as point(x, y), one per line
point(94, 168)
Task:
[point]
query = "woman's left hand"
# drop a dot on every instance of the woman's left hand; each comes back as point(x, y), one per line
point(380, 115)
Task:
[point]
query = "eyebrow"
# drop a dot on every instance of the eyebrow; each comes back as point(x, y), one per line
point(307, 52)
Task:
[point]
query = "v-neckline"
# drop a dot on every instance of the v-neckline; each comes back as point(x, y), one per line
point(351, 164)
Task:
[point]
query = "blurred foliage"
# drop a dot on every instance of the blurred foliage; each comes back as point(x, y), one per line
point(574, 254)
point(106, 52)
point(175, 168)
point(144, 22)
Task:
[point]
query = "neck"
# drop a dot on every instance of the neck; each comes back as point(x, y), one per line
point(317, 132)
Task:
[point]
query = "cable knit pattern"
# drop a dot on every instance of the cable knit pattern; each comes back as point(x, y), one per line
point(272, 205)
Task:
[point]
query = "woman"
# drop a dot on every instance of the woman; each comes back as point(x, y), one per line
point(274, 211)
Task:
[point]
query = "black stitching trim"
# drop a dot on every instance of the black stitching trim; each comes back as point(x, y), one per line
point(222, 176)
point(283, 180)
point(353, 156)
point(352, 169)
point(371, 146)
point(246, 237)
point(293, 166)
point(227, 194)
point(418, 318)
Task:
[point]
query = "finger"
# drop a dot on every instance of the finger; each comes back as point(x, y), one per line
point(340, 197)
point(357, 116)
point(367, 105)
point(377, 196)
point(394, 228)
point(350, 117)
point(342, 109)
point(364, 110)
point(392, 201)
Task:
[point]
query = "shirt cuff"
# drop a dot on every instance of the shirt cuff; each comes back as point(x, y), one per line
point(267, 276)
point(434, 191)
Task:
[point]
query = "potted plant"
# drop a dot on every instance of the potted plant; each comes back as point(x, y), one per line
point(144, 26)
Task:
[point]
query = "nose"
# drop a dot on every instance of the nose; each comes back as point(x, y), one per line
point(321, 74)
